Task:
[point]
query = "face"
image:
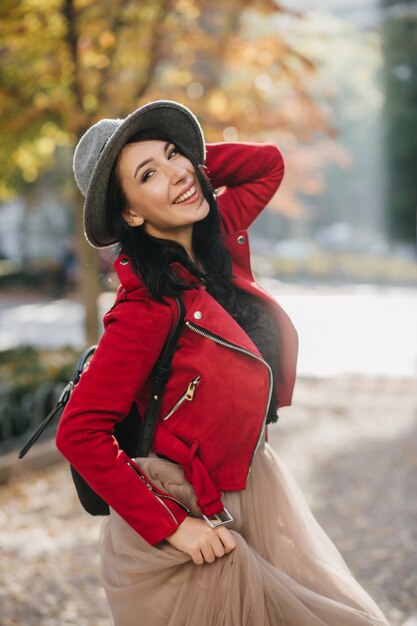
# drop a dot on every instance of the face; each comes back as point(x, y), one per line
point(162, 190)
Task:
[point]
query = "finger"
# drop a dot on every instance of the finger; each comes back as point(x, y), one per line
point(208, 554)
point(217, 546)
point(227, 539)
point(197, 557)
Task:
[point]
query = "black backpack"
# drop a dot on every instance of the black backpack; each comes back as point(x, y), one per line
point(133, 434)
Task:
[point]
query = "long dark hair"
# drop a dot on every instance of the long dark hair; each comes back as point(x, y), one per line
point(151, 256)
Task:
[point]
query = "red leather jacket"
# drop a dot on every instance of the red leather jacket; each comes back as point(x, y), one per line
point(215, 434)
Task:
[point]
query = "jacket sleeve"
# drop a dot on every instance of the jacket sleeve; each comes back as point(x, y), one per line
point(250, 174)
point(132, 341)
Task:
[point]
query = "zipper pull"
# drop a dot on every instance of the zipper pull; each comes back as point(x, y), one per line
point(189, 394)
point(140, 476)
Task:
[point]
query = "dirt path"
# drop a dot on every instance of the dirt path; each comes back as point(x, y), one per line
point(352, 445)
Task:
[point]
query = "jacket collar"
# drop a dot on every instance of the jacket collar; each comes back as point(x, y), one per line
point(131, 281)
point(201, 309)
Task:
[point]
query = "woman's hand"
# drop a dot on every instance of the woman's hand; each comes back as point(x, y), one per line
point(203, 543)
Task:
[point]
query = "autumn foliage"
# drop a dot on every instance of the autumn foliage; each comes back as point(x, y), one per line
point(67, 63)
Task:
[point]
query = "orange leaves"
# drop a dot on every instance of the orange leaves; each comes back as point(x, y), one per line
point(74, 61)
point(107, 39)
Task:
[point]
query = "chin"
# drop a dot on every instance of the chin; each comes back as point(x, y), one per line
point(205, 207)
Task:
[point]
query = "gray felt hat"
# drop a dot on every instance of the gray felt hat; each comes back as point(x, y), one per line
point(98, 148)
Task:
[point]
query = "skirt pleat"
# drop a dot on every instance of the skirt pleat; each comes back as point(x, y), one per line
point(285, 571)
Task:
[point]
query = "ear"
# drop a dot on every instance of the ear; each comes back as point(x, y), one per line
point(133, 218)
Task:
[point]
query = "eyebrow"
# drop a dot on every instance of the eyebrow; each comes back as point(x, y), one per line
point(146, 161)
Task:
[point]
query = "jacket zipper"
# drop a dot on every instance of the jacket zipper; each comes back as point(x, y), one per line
point(227, 344)
point(160, 496)
point(188, 395)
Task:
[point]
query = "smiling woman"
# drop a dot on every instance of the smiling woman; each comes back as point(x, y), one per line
point(161, 206)
point(162, 190)
point(210, 529)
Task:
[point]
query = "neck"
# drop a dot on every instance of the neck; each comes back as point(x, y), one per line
point(184, 238)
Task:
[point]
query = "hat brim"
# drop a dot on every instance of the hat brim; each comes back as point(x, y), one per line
point(163, 115)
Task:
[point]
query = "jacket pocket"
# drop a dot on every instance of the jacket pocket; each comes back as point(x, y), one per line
point(187, 396)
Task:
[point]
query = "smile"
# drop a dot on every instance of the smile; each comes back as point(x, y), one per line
point(187, 195)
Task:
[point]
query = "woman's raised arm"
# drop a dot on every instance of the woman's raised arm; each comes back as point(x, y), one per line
point(250, 174)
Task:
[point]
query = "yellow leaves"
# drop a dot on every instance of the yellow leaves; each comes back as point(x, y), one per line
point(249, 53)
point(46, 81)
point(101, 61)
point(30, 156)
point(217, 103)
point(90, 103)
point(188, 8)
point(45, 146)
point(41, 100)
point(41, 6)
point(89, 54)
point(178, 77)
point(52, 130)
point(90, 59)
point(31, 22)
point(69, 70)
point(25, 159)
point(34, 19)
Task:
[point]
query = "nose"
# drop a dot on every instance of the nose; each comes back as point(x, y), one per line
point(177, 173)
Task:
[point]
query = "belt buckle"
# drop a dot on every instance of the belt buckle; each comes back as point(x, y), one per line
point(216, 520)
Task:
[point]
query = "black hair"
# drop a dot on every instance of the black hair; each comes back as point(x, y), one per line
point(152, 256)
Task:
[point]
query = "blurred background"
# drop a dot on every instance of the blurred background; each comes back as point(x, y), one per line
point(334, 84)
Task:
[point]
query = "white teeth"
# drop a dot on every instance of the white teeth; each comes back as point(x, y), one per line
point(186, 195)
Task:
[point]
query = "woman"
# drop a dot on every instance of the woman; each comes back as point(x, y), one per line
point(209, 529)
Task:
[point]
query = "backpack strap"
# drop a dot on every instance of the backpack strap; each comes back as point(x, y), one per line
point(163, 369)
point(62, 400)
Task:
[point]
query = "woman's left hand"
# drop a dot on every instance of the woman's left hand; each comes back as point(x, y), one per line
point(203, 543)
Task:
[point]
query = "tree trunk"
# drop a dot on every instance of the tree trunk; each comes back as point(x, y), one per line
point(89, 284)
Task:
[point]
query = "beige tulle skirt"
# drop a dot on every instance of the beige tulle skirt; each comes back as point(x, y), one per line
point(284, 570)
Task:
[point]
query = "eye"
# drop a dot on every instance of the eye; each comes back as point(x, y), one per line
point(147, 175)
point(172, 152)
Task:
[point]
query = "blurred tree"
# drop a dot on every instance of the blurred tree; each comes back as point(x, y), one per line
point(400, 48)
point(67, 63)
